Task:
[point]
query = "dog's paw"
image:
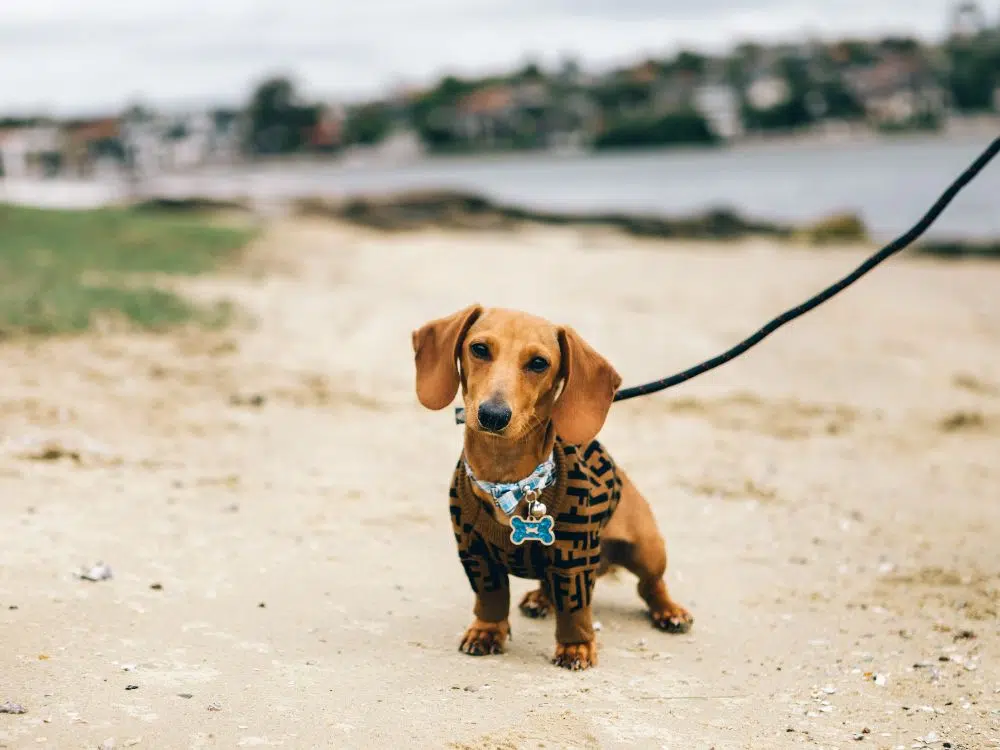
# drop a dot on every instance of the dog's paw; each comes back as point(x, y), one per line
point(576, 656)
point(674, 619)
point(535, 604)
point(485, 638)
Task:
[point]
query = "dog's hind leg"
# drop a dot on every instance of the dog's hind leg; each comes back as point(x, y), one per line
point(537, 604)
point(632, 541)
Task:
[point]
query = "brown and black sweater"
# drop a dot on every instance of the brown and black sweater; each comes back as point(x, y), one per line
point(582, 499)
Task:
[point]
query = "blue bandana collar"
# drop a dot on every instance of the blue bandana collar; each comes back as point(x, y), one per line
point(508, 495)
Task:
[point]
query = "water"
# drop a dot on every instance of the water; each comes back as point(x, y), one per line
point(889, 182)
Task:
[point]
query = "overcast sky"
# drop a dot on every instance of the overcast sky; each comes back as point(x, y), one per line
point(66, 56)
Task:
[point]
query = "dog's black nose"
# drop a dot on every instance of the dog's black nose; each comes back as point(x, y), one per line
point(494, 415)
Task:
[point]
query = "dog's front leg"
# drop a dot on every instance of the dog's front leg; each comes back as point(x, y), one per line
point(571, 595)
point(489, 630)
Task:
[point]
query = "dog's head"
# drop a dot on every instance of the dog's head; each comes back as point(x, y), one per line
point(518, 372)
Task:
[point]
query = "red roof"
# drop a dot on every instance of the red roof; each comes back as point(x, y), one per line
point(644, 73)
point(326, 132)
point(489, 100)
point(95, 130)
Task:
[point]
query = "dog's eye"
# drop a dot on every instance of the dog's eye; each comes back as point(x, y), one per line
point(538, 364)
point(479, 351)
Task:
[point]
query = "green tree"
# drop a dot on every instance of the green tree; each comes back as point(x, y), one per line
point(277, 123)
point(689, 62)
point(901, 45)
point(621, 93)
point(530, 72)
point(788, 115)
point(840, 102)
point(368, 124)
point(974, 73)
point(433, 111)
point(679, 128)
point(138, 112)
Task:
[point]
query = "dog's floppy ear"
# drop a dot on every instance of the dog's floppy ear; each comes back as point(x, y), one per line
point(589, 385)
point(436, 347)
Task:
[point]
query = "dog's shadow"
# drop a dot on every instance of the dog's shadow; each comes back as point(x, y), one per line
point(620, 613)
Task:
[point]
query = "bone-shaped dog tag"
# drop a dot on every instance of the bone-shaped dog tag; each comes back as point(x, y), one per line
point(532, 529)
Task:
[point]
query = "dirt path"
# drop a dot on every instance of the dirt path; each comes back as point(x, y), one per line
point(272, 503)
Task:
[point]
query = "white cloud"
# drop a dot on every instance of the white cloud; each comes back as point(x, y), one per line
point(67, 55)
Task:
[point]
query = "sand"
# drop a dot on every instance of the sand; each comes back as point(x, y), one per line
point(271, 501)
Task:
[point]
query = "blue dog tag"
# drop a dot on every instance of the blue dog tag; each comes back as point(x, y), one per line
point(532, 529)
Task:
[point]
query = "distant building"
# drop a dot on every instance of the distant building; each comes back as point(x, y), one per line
point(646, 72)
point(719, 104)
point(768, 91)
point(673, 92)
point(327, 134)
point(486, 115)
point(899, 90)
point(142, 137)
point(526, 115)
point(400, 145)
point(572, 122)
point(31, 151)
point(154, 144)
point(94, 147)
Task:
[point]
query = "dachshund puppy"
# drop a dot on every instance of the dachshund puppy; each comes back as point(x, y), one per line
point(534, 494)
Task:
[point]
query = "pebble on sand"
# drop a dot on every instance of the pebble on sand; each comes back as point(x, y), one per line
point(99, 572)
point(12, 708)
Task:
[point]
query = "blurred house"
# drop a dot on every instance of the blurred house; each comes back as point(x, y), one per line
point(525, 115)
point(202, 138)
point(898, 90)
point(228, 134)
point(719, 104)
point(767, 91)
point(154, 144)
point(186, 141)
point(647, 72)
point(327, 134)
point(31, 151)
point(94, 148)
point(399, 146)
point(142, 138)
point(707, 93)
point(572, 122)
point(670, 92)
point(486, 115)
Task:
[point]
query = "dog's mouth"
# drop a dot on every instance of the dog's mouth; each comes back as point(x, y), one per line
point(501, 432)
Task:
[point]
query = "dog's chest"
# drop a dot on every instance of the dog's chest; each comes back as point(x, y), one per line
point(582, 501)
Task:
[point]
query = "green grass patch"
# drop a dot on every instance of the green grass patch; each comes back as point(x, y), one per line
point(60, 271)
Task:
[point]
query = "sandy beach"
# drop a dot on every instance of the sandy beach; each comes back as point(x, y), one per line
point(272, 503)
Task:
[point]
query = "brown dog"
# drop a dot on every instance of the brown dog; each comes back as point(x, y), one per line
point(536, 396)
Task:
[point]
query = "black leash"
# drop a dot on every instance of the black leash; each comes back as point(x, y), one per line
point(787, 317)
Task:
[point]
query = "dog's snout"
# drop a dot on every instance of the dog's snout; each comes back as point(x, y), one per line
point(494, 415)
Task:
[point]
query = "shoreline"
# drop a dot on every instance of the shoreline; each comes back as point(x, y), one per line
point(773, 187)
point(420, 210)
